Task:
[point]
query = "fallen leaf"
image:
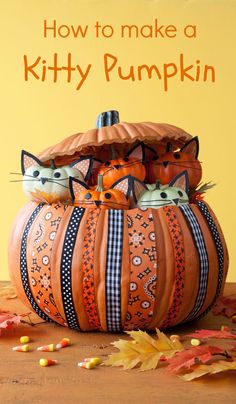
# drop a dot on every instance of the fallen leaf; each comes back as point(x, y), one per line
point(7, 320)
point(188, 357)
point(212, 334)
point(201, 370)
point(143, 350)
point(225, 305)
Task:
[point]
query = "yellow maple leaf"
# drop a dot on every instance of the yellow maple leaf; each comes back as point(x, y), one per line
point(142, 350)
point(201, 370)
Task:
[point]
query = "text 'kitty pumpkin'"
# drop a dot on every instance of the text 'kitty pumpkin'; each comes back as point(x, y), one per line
point(119, 243)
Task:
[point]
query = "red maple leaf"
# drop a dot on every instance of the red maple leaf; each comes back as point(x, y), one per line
point(188, 357)
point(225, 305)
point(7, 320)
point(212, 334)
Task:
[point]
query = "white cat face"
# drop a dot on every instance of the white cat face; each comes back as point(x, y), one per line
point(51, 182)
point(174, 193)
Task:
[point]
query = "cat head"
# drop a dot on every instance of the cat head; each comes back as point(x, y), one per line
point(116, 197)
point(51, 182)
point(174, 193)
point(131, 164)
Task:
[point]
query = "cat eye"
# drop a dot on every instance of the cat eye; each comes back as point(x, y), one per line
point(163, 195)
point(107, 195)
point(57, 175)
point(36, 173)
point(180, 193)
point(177, 156)
point(88, 196)
point(126, 159)
point(155, 158)
point(107, 163)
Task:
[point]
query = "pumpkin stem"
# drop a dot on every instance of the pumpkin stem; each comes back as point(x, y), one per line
point(100, 186)
point(169, 147)
point(52, 164)
point(158, 184)
point(112, 152)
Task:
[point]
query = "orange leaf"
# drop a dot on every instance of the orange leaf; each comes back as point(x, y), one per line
point(212, 334)
point(188, 357)
point(201, 370)
point(7, 320)
point(225, 305)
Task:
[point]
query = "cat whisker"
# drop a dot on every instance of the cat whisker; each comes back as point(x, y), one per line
point(178, 165)
point(58, 183)
point(24, 175)
point(25, 180)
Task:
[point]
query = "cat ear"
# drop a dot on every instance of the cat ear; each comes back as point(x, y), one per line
point(180, 181)
point(191, 147)
point(137, 152)
point(28, 160)
point(76, 186)
point(84, 165)
point(123, 185)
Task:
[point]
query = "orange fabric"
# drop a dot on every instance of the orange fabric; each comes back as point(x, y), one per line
point(143, 269)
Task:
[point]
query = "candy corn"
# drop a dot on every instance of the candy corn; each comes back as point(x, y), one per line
point(21, 348)
point(96, 361)
point(63, 343)
point(24, 339)
point(86, 365)
point(195, 342)
point(47, 348)
point(47, 362)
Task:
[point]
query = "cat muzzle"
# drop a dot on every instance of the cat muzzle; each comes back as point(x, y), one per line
point(43, 180)
point(176, 201)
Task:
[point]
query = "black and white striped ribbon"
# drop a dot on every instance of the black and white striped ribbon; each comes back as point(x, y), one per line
point(24, 268)
point(66, 267)
point(203, 257)
point(113, 269)
point(219, 249)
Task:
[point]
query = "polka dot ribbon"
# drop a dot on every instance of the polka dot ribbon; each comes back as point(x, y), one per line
point(66, 267)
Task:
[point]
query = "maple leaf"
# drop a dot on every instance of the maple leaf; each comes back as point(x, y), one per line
point(225, 305)
point(142, 350)
point(7, 320)
point(201, 370)
point(188, 357)
point(212, 334)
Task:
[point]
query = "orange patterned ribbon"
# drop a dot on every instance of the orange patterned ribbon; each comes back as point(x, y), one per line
point(88, 269)
point(40, 260)
point(178, 245)
point(143, 269)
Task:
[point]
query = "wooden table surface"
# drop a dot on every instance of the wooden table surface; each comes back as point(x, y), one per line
point(22, 380)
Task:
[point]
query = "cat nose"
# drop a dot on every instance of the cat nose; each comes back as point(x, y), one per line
point(176, 201)
point(43, 180)
point(98, 203)
point(117, 166)
point(165, 163)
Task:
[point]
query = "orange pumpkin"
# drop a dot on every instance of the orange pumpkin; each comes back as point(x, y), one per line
point(111, 198)
point(172, 163)
point(113, 269)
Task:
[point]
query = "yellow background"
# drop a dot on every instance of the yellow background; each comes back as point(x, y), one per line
point(35, 115)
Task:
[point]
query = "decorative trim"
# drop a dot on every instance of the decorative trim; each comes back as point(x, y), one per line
point(203, 257)
point(24, 268)
point(113, 269)
point(66, 267)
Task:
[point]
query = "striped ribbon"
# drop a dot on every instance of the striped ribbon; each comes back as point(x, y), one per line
point(24, 268)
point(113, 269)
point(219, 249)
point(66, 267)
point(204, 263)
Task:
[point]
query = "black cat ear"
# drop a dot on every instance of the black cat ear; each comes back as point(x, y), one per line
point(191, 147)
point(85, 165)
point(137, 152)
point(28, 160)
point(76, 186)
point(123, 185)
point(180, 181)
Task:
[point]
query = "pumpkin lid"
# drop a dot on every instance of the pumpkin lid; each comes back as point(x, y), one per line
point(110, 131)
